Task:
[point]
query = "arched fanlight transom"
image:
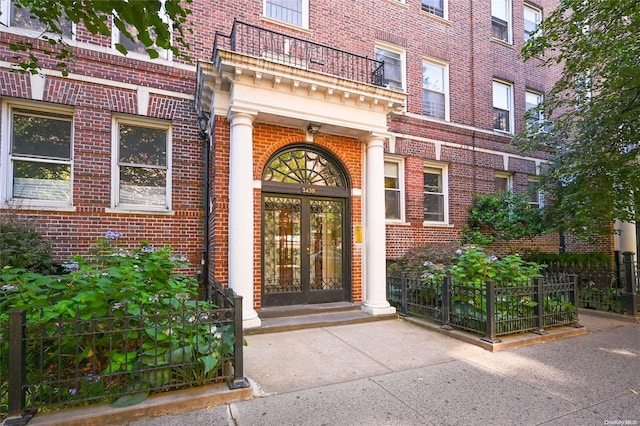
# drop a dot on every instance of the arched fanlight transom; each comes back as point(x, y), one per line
point(304, 167)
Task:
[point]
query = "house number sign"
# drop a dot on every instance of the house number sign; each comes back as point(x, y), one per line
point(308, 190)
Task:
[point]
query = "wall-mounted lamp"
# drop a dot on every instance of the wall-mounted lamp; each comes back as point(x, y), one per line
point(203, 123)
point(313, 128)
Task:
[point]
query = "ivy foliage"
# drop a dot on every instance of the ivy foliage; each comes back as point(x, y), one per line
point(157, 24)
point(502, 217)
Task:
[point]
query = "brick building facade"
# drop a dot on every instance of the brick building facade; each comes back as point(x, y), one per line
point(316, 167)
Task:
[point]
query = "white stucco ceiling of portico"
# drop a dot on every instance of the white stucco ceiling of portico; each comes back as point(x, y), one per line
point(290, 96)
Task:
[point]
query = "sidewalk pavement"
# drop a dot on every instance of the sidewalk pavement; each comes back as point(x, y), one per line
point(398, 373)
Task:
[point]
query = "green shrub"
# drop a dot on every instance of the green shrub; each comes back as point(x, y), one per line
point(22, 246)
point(180, 343)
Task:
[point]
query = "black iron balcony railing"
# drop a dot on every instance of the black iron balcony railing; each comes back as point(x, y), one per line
point(278, 47)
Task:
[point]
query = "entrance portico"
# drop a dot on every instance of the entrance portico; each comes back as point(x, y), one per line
point(249, 91)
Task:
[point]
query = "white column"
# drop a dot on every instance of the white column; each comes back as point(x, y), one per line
point(375, 293)
point(627, 237)
point(241, 213)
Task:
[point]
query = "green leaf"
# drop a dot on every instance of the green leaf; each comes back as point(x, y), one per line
point(209, 362)
point(129, 400)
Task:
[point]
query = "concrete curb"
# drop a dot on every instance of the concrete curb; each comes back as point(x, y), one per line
point(155, 406)
point(507, 342)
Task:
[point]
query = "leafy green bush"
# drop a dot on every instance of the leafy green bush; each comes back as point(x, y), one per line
point(21, 246)
point(593, 259)
point(177, 339)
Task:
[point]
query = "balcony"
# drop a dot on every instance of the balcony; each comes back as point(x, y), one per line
point(262, 43)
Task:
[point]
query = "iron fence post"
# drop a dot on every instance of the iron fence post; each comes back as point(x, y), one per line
point(539, 299)
point(491, 314)
point(403, 294)
point(629, 296)
point(238, 381)
point(446, 304)
point(573, 298)
point(16, 403)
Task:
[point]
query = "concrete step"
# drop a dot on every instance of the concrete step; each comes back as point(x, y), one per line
point(286, 318)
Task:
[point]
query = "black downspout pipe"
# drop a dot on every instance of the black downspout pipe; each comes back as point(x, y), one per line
point(205, 135)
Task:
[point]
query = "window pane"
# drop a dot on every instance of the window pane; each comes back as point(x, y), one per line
point(432, 77)
point(392, 204)
point(434, 207)
point(135, 46)
point(433, 182)
point(501, 184)
point(531, 20)
point(501, 120)
point(392, 67)
point(289, 11)
point(41, 181)
point(145, 186)
point(499, 9)
point(499, 29)
point(141, 145)
point(433, 104)
point(23, 18)
point(501, 96)
point(44, 137)
point(435, 7)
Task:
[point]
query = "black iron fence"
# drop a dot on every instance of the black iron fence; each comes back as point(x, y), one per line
point(45, 365)
point(603, 287)
point(274, 46)
point(489, 310)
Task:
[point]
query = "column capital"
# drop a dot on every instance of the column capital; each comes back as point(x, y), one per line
point(376, 140)
point(241, 116)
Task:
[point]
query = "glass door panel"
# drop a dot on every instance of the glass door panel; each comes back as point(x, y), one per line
point(282, 242)
point(325, 245)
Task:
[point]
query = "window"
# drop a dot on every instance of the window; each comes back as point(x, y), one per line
point(535, 196)
point(40, 157)
point(435, 194)
point(532, 18)
point(435, 7)
point(434, 90)
point(532, 100)
point(503, 182)
point(393, 67)
point(15, 16)
point(502, 107)
point(501, 20)
point(393, 198)
point(142, 165)
point(293, 12)
point(136, 47)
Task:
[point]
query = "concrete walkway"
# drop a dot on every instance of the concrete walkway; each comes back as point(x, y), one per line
point(396, 373)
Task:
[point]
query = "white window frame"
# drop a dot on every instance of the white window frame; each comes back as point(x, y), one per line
point(508, 103)
point(163, 54)
point(444, 173)
point(6, 157)
point(529, 96)
point(504, 175)
point(445, 86)
point(502, 10)
point(305, 15)
point(116, 206)
point(429, 9)
point(534, 11)
point(5, 18)
point(540, 204)
point(385, 47)
point(399, 162)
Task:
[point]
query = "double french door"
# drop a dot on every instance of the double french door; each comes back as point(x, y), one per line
point(303, 250)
